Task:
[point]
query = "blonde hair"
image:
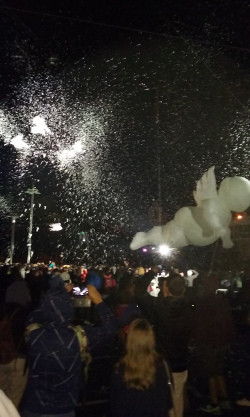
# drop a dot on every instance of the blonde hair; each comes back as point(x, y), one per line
point(139, 361)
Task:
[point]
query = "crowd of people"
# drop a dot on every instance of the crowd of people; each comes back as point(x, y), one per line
point(171, 350)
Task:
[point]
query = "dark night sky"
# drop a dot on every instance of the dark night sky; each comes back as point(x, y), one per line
point(70, 30)
point(125, 62)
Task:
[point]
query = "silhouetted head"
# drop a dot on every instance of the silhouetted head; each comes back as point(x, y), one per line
point(176, 285)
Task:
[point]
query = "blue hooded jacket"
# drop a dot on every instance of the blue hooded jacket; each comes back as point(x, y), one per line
point(54, 360)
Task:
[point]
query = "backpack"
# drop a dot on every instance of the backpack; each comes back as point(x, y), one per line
point(8, 350)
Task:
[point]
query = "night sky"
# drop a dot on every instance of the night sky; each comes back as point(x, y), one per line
point(156, 93)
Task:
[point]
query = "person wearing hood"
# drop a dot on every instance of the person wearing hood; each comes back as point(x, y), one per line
point(56, 350)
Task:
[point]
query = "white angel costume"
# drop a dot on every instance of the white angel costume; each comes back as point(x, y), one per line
point(203, 224)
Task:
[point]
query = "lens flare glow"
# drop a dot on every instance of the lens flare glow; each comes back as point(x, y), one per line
point(55, 227)
point(19, 143)
point(67, 155)
point(39, 126)
point(164, 250)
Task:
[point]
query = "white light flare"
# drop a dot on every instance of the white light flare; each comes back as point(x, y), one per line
point(164, 250)
point(39, 126)
point(18, 142)
point(55, 227)
point(67, 155)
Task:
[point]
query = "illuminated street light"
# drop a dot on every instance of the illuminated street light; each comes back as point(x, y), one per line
point(32, 191)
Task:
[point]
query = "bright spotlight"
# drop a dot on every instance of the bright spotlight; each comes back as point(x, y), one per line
point(164, 250)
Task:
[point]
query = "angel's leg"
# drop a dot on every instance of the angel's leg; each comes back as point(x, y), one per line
point(226, 239)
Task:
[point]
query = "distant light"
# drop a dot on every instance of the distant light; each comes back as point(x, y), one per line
point(153, 248)
point(18, 142)
point(39, 126)
point(77, 147)
point(55, 227)
point(239, 217)
point(21, 57)
point(83, 236)
point(221, 290)
point(164, 250)
point(53, 60)
point(67, 155)
point(144, 250)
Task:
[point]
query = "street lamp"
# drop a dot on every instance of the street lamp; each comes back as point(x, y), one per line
point(12, 242)
point(32, 191)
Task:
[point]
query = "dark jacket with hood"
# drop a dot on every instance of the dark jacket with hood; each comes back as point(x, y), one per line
point(54, 360)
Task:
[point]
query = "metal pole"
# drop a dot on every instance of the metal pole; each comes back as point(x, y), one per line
point(12, 242)
point(30, 229)
point(32, 191)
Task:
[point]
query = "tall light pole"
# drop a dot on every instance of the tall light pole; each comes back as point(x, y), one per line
point(12, 242)
point(32, 191)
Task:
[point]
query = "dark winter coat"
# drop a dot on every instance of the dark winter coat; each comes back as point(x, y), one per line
point(54, 360)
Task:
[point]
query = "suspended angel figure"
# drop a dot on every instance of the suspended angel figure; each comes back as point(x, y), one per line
point(203, 224)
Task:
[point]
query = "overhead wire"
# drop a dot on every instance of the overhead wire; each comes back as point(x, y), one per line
point(186, 40)
point(111, 25)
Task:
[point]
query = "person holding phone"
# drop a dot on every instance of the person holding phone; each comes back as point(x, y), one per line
point(56, 349)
